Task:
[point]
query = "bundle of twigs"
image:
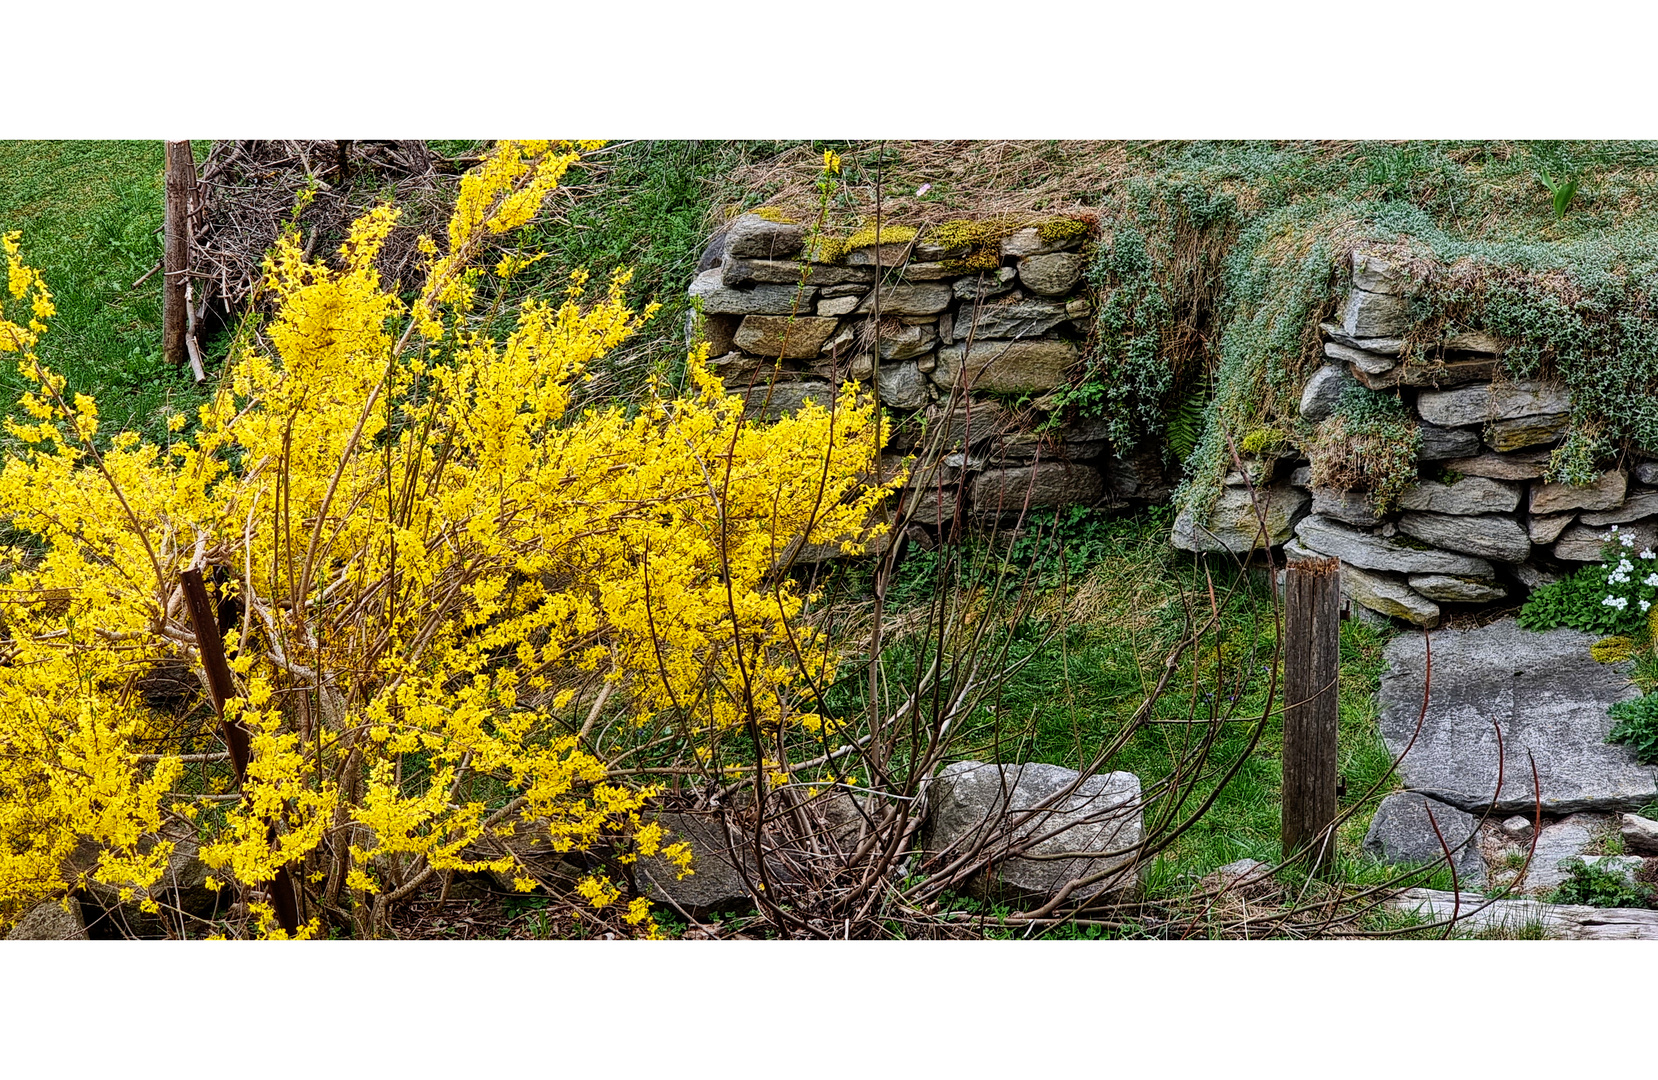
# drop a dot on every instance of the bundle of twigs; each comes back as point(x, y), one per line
point(250, 191)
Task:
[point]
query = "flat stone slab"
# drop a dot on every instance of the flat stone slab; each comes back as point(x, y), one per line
point(1550, 700)
point(1402, 832)
point(1577, 922)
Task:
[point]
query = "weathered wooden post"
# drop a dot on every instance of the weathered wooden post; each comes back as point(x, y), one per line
point(1312, 655)
point(177, 341)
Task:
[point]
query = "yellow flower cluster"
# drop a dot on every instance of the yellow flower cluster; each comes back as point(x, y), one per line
point(427, 548)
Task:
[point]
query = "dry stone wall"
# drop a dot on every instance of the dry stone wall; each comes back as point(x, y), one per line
point(1481, 524)
point(966, 362)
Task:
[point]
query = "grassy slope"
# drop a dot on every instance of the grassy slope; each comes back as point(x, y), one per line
point(90, 214)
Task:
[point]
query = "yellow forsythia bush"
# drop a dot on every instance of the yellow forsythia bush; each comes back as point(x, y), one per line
point(429, 549)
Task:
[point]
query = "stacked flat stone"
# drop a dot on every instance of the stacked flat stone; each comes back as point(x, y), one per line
point(1466, 541)
point(949, 349)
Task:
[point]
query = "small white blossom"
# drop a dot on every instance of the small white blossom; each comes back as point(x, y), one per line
point(1646, 604)
point(1649, 554)
point(1626, 540)
point(1615, 602)
point(1651, 579)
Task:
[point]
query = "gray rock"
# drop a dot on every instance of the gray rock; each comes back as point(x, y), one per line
point(1603, 494)
point(1547, 529)
point(907, 342)
point(1378, 273)
point(1533, 576)
point(753, 237)
point(1518, 827)
point(1353, 507)
point(984, 286)
point(1247, 876)
point(719, 331)
point(1482, 403)
point(1051, 275)
point(1549, 696)
point(972, 422)
point(1557, 843)
point(1640, 835)
point(1006, 367)
point(885, 255)
point(844, 290)
point(1002, 808)
point(1028, 241)
point(1436, 374)
point(1523, 465)
point(1381, 553)
point(839, 305)
point(1517, 434)
point(715, 883)
point(1323, 391)
point(769, 402)
point(735, 273)
point(1302, 477)
point(1369, 362)
point(1369, 315)
point(1388, 596)
point(1639, 505)
point(1490, 536)
point(49, 921)
point(1469, 495)
point(1583, 544)
point(924, 298)
point(1233, 525)
point(1647, 472)
point(1571, 922)
point(1476, 341)
point(779, 336)
point(902, 386)
point(1045, 484)
point(1402, 832)
point(1457, 590)
point(759, 300)
point(1386, 346)
point(1439, 443)
point(1021, 319)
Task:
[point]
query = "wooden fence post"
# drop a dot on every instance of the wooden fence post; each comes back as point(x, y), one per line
point(177, 329)
point(1312, 657)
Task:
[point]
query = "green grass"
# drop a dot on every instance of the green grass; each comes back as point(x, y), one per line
point(90, 213)
point(1130, 594)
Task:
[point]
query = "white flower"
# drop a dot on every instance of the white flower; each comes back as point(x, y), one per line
point(1646, 604)
point(1626, 540)
point(1649, 554)
point(1652, 580)
point(1625, 566)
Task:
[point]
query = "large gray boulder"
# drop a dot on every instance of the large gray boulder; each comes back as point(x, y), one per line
point(1401, 832)
point(902, 386)
point(1232, 524)
point(1000, 808)
point(924, 298)
point(1371, 552)
point(1550, 700)
point(719, 862)
point(50, 921)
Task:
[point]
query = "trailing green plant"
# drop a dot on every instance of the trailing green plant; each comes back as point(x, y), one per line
point(1598, 887)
